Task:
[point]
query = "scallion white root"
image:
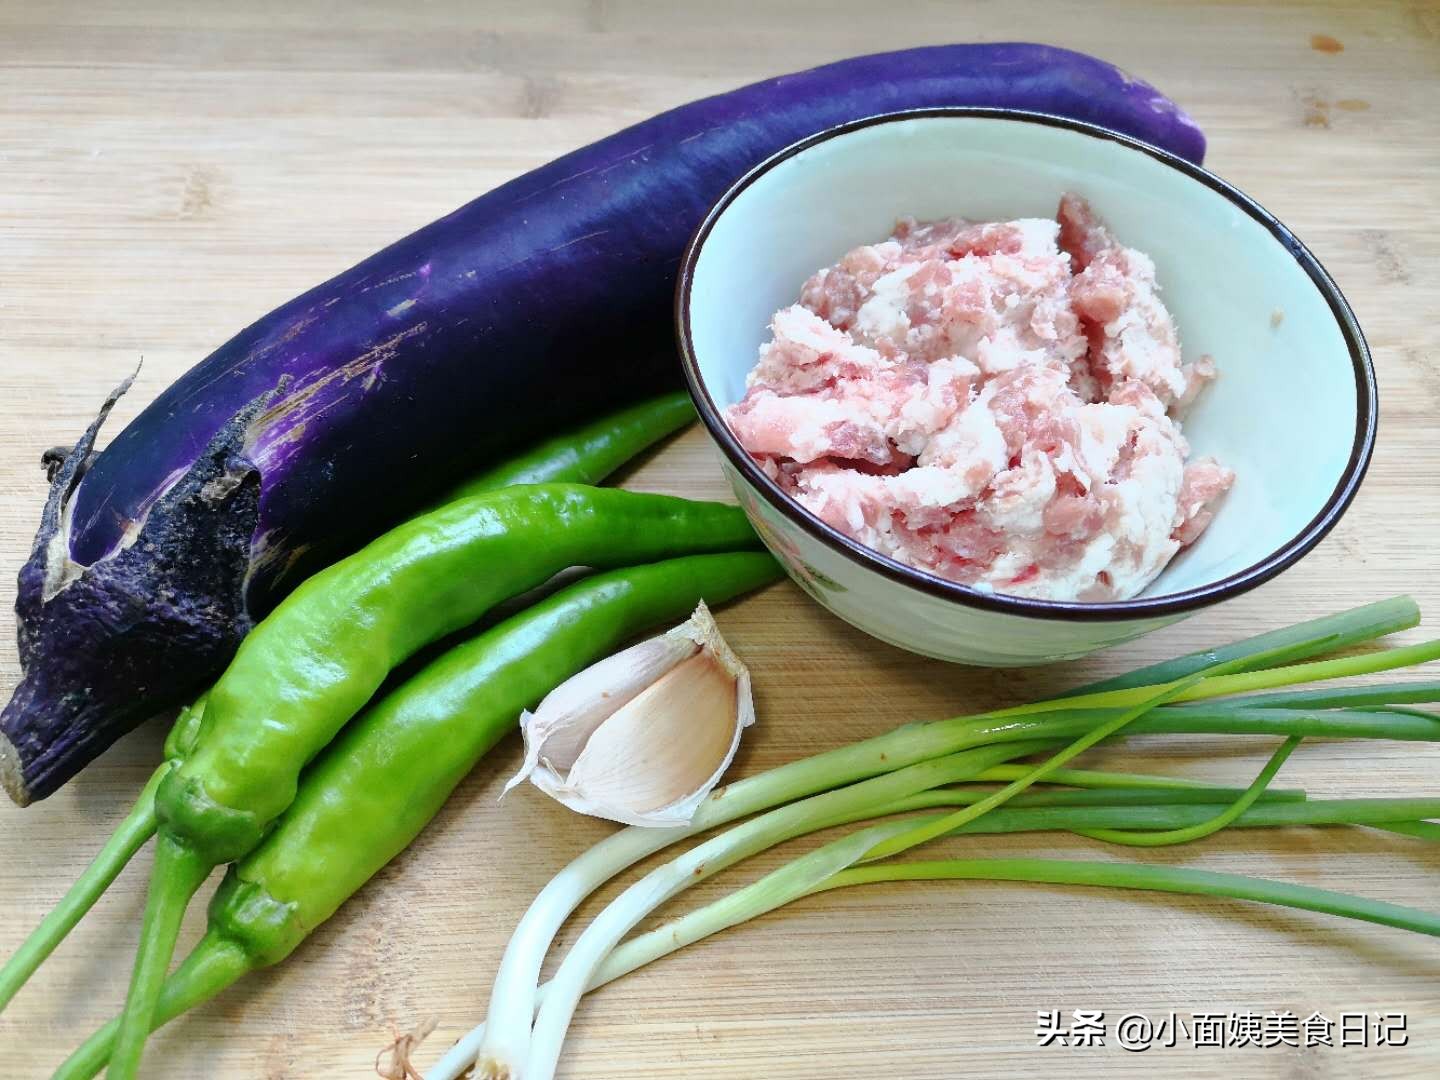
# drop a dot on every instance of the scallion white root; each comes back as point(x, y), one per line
point(740, 842)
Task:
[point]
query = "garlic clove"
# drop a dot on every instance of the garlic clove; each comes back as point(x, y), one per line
point(569, 715)
point(652, 758)
point(665, 745)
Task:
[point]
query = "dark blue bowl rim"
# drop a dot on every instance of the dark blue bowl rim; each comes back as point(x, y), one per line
point(1361, 451)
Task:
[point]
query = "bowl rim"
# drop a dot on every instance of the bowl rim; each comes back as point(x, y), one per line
point(1286, 555)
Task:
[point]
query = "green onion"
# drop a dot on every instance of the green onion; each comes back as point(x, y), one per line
point(1165, 837)
point(1421, 830)
point(1269, 663)
point(1331, 632)
point(1142, 876)
point(776, 826)
point(813, 873)
point(1088, 819)
point(829, 869)
point(1345, 697)
point(1097, 778)
point(930, 830)
point(1244, 682)
point(1219, 719)
point(1112, 796)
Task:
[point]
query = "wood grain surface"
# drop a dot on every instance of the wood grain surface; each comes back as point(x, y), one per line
point(171, 171)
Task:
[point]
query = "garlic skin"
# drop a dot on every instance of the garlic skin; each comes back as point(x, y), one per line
point(642, 736)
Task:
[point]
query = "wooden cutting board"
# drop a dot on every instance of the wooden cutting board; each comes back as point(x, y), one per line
point(169, 172)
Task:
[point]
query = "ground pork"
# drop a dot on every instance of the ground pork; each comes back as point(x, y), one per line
point(996, 403)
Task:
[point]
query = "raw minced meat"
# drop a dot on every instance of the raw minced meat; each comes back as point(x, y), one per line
point(990, 402)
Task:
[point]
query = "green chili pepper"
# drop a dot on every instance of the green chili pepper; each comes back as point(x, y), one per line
point(317, 659)
point(589, 454)
point(377, 786)
point(586, 455)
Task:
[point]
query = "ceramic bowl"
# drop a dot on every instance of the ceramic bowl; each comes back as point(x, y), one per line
point(1293, 412)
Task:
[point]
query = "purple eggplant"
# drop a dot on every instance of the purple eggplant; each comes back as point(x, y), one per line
point(537, 304)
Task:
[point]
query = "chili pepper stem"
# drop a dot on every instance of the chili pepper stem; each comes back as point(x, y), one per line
point(212, 966)
point(128, 838)
point(178, 873)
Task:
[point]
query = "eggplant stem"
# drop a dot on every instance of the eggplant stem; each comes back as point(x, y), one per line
point(128, 838)
point(178, 873)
